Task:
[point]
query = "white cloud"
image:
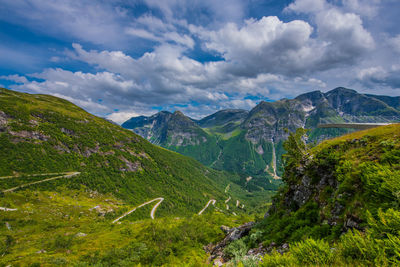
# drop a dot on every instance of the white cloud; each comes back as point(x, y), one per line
point(368, 8)
point(94, 21)
point(378, 76)
point(121, 117)
point(15, 78)
point(266, 57)
point(270, 45)
point(306, 6)
point(395, 43)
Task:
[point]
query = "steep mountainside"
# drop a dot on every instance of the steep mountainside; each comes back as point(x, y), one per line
point(339, 206)
point(176, 132)
point(43, 134)
point(251, 143)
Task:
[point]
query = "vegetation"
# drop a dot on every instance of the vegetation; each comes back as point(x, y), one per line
point(64, 227)
point(68, 222)
point(339, 205)
point(45, 134)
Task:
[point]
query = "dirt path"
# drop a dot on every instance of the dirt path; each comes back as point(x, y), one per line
point(68, 175)
point(208, 203)
point(229, 198)
point(32, 175)
point(227, 188)
point(7, 209)
point(160, 199)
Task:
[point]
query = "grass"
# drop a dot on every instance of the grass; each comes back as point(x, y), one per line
point(50, 222)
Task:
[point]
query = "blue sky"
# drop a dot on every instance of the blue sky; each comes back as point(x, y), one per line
point(119, 59)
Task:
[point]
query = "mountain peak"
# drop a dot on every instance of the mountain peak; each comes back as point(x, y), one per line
point(341, 90)
point(178, 113)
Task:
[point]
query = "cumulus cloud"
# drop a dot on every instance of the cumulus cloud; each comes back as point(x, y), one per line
point(270, 45)
point(164, 77)
point(94, 21)
point(14, 78)
point(368, 8)
point(378, 76)
point(121, 117)
point(306, 6)
point(246, 60)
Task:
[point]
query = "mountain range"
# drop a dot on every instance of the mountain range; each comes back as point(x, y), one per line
point(250, 142)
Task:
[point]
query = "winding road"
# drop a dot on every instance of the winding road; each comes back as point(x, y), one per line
point(160, 199)
point(7, 209)
point(68, 175)
point(208, 203)
point(32, 175)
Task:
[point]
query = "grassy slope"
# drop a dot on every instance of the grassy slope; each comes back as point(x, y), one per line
point(45, 231)
point(361, 191)
point(110, 158)
point(119, 170)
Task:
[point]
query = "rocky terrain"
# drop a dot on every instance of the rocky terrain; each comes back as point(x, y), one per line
point(247, 142)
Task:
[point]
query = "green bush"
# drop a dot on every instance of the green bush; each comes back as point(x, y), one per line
point(61, 242)
point(275, 259)
point(313, 251)
point(356, 246)
point(236, 249)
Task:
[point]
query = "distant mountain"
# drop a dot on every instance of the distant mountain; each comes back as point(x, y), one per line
point(250, 143)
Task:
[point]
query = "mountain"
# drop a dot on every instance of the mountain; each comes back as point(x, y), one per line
point(78, 190)
point(339, 206)
point(250, 143)
point(42, 134)
point(223, 118)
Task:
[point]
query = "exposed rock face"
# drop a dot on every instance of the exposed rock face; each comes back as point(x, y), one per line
point(232, 234)
point(130, 166)
point(264, 126)
point(29, 135)
point(168, 129)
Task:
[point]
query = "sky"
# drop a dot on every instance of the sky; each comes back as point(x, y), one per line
point(119, 59)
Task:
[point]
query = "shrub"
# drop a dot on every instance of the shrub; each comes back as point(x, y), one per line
point(275, 259)
point(236, 249)
point(312, 251)
point(61, 242)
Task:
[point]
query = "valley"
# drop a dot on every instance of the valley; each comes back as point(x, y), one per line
point(249, 143)
point(234, 133)
point(89, 192)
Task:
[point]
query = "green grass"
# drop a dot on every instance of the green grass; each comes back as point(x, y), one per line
point(355, 177)
point(47, 134)
point(51, 220)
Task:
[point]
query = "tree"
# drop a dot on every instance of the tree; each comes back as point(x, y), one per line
point(296, 150)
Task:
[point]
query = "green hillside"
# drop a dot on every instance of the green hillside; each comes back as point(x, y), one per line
point(68, 178)
point(339, 205)
point(44, 134)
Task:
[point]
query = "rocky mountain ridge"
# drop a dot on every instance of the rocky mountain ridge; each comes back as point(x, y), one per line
point(259, 133)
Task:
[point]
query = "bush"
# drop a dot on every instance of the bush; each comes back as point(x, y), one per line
point(355, 246)
point(61, 242)
point(275, 259)
point(236, 249)
point(313, 251)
